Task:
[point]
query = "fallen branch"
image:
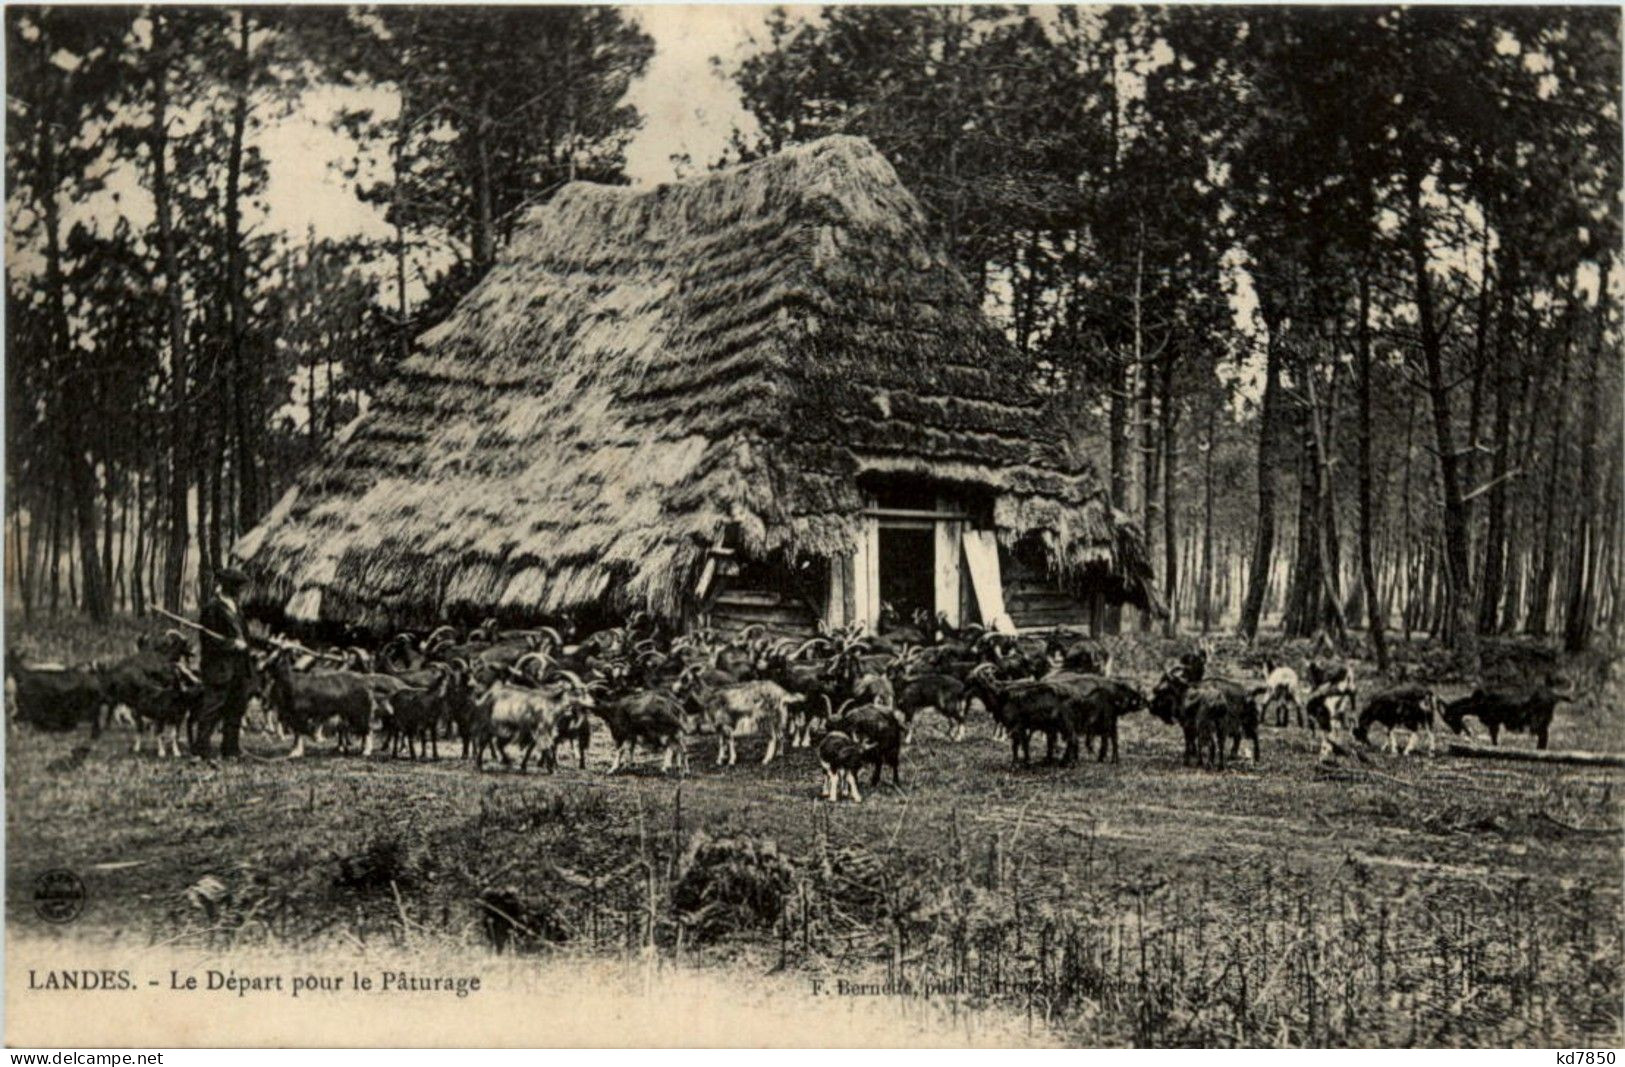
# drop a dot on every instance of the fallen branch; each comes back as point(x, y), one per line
point(1535, 755)
point(1571, 827)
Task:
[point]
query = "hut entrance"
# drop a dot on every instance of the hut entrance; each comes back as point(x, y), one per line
point(907, 571)
point(910, 557)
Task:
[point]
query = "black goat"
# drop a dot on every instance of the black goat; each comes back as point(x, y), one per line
point(1095, 706)
point(1083, 657)
point(941, 692)
point(1022, 708)
point(1524, 710)
point(1208, 712)
point(59, 699)
point(654, 719)
point(1404, 707)
point(840, 755)
point(878, 728)
point(1219, 710)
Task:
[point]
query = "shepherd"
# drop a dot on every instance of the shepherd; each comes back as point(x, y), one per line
point(226, 667)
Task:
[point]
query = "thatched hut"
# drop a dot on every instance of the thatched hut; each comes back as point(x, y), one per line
point(764, 394)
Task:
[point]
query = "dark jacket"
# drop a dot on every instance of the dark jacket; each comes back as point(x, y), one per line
point(220, 663)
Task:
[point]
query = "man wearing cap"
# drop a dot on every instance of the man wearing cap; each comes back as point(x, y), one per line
point(225, 666)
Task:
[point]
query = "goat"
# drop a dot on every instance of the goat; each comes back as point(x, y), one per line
point(308, 700)
point(58, 699)
point(1519, 710)
point(416, 712)
point(1280, 691)
point(738, 663)
point(653, 718)
point(1407, 707)
point(921, 631)
point(1208, 713)
point(1323, 673)
point(1168, 705)
point(1017, 659)
point(840, 755)
point(877, 727)
point(156, 686)
point(940, 692)
point(169, 709)
point(733, 711)
point(399, 655)
point(1080, 657)
point(1329, 711)
point(810, 681)
point(1219, 710)
point(875, 686)
point(1022, 708)
point(506, 713)
point(1095, 704)
point(849, 675)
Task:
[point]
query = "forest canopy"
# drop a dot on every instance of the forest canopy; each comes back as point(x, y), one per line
point(1331, 296)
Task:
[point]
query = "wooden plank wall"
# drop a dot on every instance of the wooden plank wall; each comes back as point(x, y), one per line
point(1033, 600)
point(733, 609)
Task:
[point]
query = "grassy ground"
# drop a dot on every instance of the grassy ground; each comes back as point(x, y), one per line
point(1400, 901)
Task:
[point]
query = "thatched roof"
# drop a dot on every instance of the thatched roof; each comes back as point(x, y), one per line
point(643, 370)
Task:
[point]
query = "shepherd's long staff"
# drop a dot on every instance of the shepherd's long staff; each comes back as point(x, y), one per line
point(274, 642)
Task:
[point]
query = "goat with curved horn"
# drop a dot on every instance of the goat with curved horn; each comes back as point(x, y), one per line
point(809, 643)
point(439, 634)
point(540, 657)
point(570, 676)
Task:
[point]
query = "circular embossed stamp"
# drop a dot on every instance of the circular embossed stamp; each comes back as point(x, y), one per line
point(59, 895)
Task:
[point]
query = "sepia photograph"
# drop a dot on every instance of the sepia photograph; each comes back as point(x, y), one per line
point(577, 526)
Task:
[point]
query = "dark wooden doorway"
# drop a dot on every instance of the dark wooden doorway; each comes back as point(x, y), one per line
point(907, 562)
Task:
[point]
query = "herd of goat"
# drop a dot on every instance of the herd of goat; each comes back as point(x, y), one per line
point(855, 697)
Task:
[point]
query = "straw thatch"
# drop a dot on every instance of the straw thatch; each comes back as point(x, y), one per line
point(645, 370)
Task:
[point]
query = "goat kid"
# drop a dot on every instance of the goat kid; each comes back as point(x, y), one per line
point(878, 728)
point(1280, 691)
point(840, 755)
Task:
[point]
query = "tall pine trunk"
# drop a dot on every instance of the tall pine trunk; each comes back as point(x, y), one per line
point(81, 476)
point(1303, 607)
point(1325, 542)
point(1495, 540)
point(244, 363)
point(1457, 628)
point(1170, 541)
point(181, 427)
point(1582, 577)
point(1540, 598)
point(1258, 576)
point(1204, 594)
point(1117, 429)
point(1374, 603)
